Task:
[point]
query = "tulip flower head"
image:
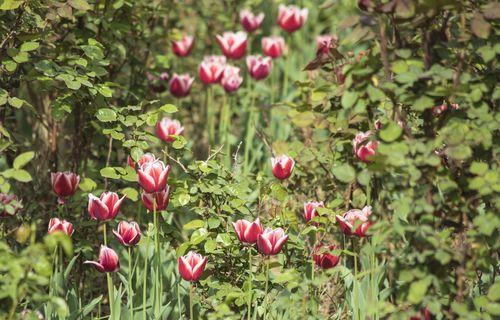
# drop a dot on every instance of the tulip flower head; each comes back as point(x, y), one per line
point(291, 18)
point(58, 225)
point(158, 199)
point(247, 231)
point(324, 43)
point(106, 207)
point(273, 46)
point(108, 260)
point(10, 204)
point(211, 69)
point(157, 84)
point(282, 166)
point(153, 176)
point(233, 44)
point(250, 21)
point(180, 85)
point(64, 184)
point(191, 266)
point(310, 209)
point(145, 158)
point(323, 258)
point(167, 129)
point(355, 222)
point(231, 79)
point(270, 241)
point(259, 67)
point(128, 234)
point(363, 147)
point(182, 48)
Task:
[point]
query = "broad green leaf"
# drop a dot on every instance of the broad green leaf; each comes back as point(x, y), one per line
point(391, 132)
point(29, 46)
point(194, 224)
point(344, 173)
point(106, 115)
point(22, 159)
point(168, 108)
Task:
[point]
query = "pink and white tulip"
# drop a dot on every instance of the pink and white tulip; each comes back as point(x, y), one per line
point(282, 166)
point(108, 260)
point(180, 85)
point(191, 266)
point(273, 46)
point(250, 21)
point(152, 176)
point(106, 207)
point(233, 44)
point(259, 67)
point(270, 241)
point(211, 69)
point(363, 147)
point(64, 184)
point(167, 129)
point(56, 224)
point(128, 234)
point(310, 209)
point(324, 43)
point(182, 48)
point(159, 200)
point(355, 222)
point(291, 18)
point(247, 231)
point(324, 259)
point(231, 79)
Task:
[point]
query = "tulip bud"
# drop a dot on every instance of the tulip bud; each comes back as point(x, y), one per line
point(106, 207)
point(153, 176)
point(247, 231)
point(183, 47)
point(108, 260)
point(273, 46)
point(191, 266)
point(167, 129)
point(233, 44)
point(64, 184)
point(378, 124)
point(259, 67)
point(55, 224)
point(270, 241)
point(324, 43)
point(355, 222)
point(128, 234)
point(363, 148)
point(310, 209)
point(231, 79)
point(158, 199)
point(211, 69)
point(180, 85)
point(282, 166)
point(9, 205)
point(325, 260)
point(291, 18)
point(249, 21)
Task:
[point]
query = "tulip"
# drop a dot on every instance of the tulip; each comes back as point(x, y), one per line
point(161, 199)
point(355, 217)
point(424, 314)
point(9, 200)
point(55, 224)
point(291, 18)
point(64, 184)
point(282, 166)
point(211, 69)
point(108, 260)
point(167, 129)
point(233, 44)
point(180, 85)
point(378, 124)
point(270, 241)
point(183, 47)
point(273, 46)
point(324, 43)
point(157, 84)
point(153, 176)
point(249, 21)
point(325, 260)
point(106, 207)
point(363, 148)
point(247, 231)
point(128, 234)
point(259, 67)
point(191, 266)
point(310, 209)
point(231, 79)
point(438, 110)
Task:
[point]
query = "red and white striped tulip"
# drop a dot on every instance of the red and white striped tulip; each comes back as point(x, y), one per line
point(355, 222)
point(152, 176)
point(324, 43)
point(291, 18)
point(247, 231)
point(182, 48)
point(158, 199)
point(64, 184)
point(233, 44)
point(128, 234)
point(270, 241)
point(250, 21)
point(363, 147)
point(211, 69)
point(108, 260)
point(323, 258)
point(145, 158)
point(231, 79)
point(58, 225)
point(106, 207)
point(282, 166)
point(167, 129)
point(191, 266)
point(273, 46)
point(259, 67)
point(180, 85)
point(310, 209)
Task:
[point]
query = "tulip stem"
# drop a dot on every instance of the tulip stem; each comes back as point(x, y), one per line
point(158, 262)
point(251, 279)
point(250, 130)
point(210, 117)
point(266, 288)
point(109, 280)
point(284, 89)
point(144, 279)
point(191, 292)
point(130, 294)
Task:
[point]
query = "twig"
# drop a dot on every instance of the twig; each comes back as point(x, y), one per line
point(179, 163)
point(215, 153)
point(383, 52)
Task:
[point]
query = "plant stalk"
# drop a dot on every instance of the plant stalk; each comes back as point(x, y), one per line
point(130, 274)
point(251, 279)
point(109, 280)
